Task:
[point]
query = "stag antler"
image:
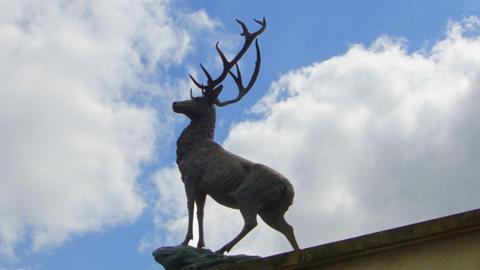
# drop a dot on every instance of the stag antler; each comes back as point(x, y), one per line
point(242, 90)
point(228, 65)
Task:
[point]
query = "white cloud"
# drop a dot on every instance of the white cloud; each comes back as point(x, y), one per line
point(375, 138)
point(200, 20)
point(71, 141)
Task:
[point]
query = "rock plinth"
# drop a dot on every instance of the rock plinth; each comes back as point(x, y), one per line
point(190, 258)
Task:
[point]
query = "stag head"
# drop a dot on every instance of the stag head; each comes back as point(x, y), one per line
point(197, 106)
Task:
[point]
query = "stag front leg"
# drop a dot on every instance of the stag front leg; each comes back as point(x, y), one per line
point(200, 201)
point(190, 192)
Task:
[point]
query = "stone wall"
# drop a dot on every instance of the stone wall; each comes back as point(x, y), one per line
point(451, 242)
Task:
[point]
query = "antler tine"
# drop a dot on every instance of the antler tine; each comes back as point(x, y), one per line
point(263, 23)
point(224, 61)
point(257, 67)
point(238, 77)
point(209, 78)
point(242, 91)
point(244, 28)
point(201, 86)
point(249, 37)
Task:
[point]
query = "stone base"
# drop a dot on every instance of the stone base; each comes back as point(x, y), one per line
point(190, 258)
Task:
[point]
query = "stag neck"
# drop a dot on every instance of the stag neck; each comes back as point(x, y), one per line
point(203, 128)
point(197, 132)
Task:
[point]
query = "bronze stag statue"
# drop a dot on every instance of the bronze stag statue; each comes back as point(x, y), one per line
point(208, 169)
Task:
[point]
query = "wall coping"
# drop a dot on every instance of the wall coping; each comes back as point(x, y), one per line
point(370, 243)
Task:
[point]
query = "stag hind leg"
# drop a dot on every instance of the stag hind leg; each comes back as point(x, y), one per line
point(275, 218)
point(249, 215)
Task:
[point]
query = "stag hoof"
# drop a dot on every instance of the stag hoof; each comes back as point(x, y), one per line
point(185, 243)
point(200, 244)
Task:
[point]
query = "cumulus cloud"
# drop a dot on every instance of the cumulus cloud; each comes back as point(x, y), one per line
point(72, 141)
point(372, 139)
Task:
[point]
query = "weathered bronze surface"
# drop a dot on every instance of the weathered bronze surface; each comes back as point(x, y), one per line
point(208, 169)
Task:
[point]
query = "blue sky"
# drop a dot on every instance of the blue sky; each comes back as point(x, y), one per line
point(355, 90)
point(307, 32)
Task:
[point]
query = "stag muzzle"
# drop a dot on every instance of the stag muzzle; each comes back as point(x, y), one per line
point(176, 107)
point(182, 106)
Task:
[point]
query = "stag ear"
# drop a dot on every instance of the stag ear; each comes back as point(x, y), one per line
point(215, 92)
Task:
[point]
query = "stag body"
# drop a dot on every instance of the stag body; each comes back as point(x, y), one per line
point(208, 169)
